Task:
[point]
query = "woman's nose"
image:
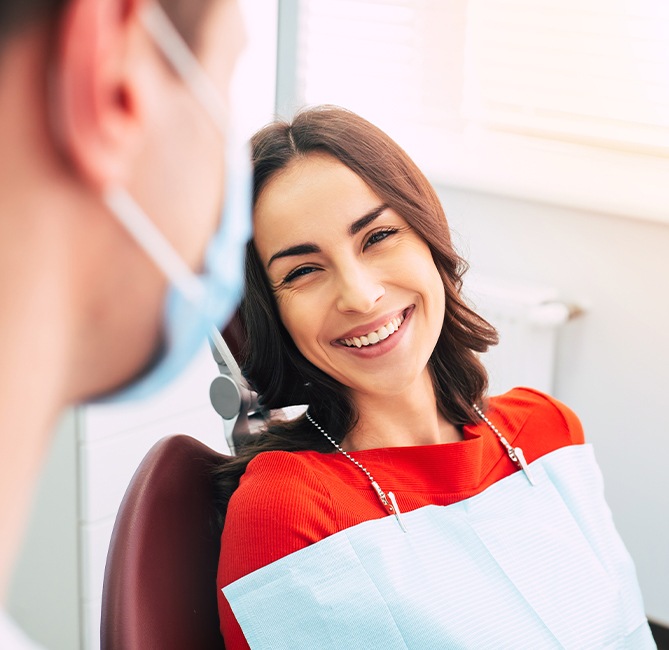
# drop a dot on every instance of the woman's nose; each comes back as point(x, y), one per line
point(358, 289)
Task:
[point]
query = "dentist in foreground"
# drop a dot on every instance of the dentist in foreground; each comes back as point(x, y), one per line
point(123, 213)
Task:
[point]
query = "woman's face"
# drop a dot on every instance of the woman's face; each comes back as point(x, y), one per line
point(357, 288)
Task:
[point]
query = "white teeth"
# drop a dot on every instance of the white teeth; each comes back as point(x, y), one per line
point(374, 337)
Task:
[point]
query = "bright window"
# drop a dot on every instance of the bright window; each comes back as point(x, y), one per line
point(565, 101)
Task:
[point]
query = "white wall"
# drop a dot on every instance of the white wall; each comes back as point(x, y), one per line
point(43, 595)
point(613, 362)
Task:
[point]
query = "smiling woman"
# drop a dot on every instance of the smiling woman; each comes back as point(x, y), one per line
point(347, 170)
point(341, 282)
point(353, 308)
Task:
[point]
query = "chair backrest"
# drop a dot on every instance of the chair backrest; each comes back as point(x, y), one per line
point(160, 578)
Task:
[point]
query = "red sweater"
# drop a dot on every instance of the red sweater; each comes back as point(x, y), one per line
point(289, 500)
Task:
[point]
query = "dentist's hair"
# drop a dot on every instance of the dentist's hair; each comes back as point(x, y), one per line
point(187, 15)
point(274, 366)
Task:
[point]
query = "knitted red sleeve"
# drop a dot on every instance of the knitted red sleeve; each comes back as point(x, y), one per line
point(551, 423)
point(280, 507)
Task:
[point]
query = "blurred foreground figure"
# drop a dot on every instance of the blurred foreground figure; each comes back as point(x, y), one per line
point(121, 220)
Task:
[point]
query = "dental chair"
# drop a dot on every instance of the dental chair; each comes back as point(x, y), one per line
point(160, 577)
point(229, 393)
point(159, 587)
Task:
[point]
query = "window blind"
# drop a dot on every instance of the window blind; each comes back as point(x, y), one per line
point(392, 61)
point(594, 72)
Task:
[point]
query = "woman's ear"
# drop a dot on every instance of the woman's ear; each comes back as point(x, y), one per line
point(96, 112)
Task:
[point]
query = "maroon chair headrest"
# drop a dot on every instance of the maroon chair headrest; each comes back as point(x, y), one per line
point(160, 578)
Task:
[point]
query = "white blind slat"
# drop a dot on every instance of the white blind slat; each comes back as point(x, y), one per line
point(594, 71)
point(589, 71)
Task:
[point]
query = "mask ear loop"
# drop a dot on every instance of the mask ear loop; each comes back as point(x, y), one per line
point(178, 54)
point(133, 218)
point(156, 245)
point(181, 58)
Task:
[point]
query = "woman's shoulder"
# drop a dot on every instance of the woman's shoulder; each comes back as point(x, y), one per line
point(280, 506)
point(537, 418)
point(278, 481)
point(269, 464)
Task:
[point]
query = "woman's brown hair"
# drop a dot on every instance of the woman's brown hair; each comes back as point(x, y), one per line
point(273, 365)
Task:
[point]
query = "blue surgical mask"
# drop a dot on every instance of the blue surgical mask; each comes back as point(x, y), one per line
point(195, 304)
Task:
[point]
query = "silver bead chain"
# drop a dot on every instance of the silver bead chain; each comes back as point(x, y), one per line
point(509, 449)
point(515, 454)
point(391, 504)
point(339, 448)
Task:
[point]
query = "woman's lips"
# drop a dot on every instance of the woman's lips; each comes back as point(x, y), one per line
point(365, 329)
point(379, 340)
point(375, 336)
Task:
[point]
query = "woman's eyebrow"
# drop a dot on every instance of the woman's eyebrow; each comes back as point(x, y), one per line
point(291, 251)
point(365, 220)
point(307, 249)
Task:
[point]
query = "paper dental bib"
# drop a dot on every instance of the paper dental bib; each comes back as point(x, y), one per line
point(517, 566)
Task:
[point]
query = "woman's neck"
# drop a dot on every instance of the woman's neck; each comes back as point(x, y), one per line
point(406, 419)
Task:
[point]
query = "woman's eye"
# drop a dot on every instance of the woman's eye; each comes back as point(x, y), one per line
point(379, 235)
point(297, 273)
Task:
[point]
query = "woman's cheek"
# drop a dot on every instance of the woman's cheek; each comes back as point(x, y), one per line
point(295, 317)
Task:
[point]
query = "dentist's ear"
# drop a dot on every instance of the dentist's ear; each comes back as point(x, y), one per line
point(96, 107)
